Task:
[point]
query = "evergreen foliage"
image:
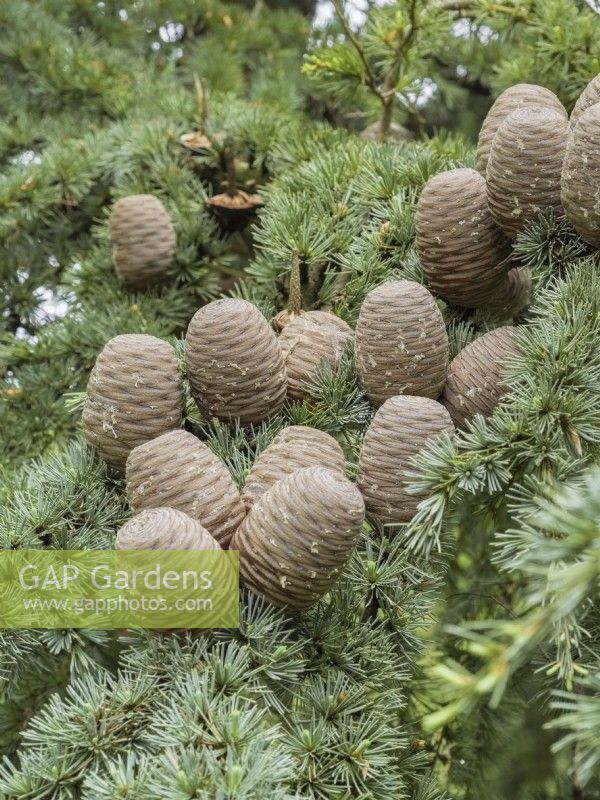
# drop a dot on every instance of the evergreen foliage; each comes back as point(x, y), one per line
point(459, 655)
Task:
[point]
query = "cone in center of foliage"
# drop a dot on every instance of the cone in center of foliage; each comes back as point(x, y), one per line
point(524, 167)
point(474, 384)
point(401, 342)
point(580, 182)
point(164, 529)
point(511, 99)
point(309, 340)
point(296, 447)
point(465, 256)
point(399, 430)
point(143, 240)
point(298, 536)
point(134, 394)
point(234, 362)
point(180, 471)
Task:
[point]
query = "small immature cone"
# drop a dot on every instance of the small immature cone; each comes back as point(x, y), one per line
point(513, 98)
point(234, 362)
point(463, 252)
point(399, 430)
point(164, 529)
point(180, 471)
point(474, 384)
point(401, 342)
point(296, 447)
point(513, 295)
point(524, 167)
point(310, 339)
point(134, 394)
point(589, 97)
point(296, 539)
point(143, 240)
point(580, 183)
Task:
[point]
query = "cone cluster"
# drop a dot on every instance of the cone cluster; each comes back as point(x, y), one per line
point(530, 159)
point(143, 240)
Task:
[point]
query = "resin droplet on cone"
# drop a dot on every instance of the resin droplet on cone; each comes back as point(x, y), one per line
point(589, 97)
point(234, 362)
point(299, 535)
point(580, 183)
point(309, 340)
point(518, 96)
point(294, 448)
point(164, 529)
point(134, 394)
point(399, 430)
point(401, 342)
point(463, 252)
point(143, 240)
point(524, 167)
point(180, 471)
point(474, 384)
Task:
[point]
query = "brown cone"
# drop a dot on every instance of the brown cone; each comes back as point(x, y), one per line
point(513, 295)
point(296, 447)
point(164, 529)
point(180, 471)
point(298, 536)
point(463, 253)
point(589, 97)
point(580, 183)
point(143, 240)
point(522, 94)
point(474, 384)
point(306, 342)
point(234, 362)
point(399, 430)
point(401, 342)
point(524, 167)
point(134, 394)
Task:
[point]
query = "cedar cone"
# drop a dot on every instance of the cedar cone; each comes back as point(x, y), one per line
point(297, 537)
point(589, 97)
point(399, 430)
point(580, 183)
point(143, 240)
point(164, 529)
point(296, 447)
point(134, 393)
point(396, 133)
point(464, 254)
point(513, 295)
point(180, 471)
point(474, 384)
point(401, 342)
point(306, 342)
point(518, 96)
point(523, 172)
point(234, 362)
